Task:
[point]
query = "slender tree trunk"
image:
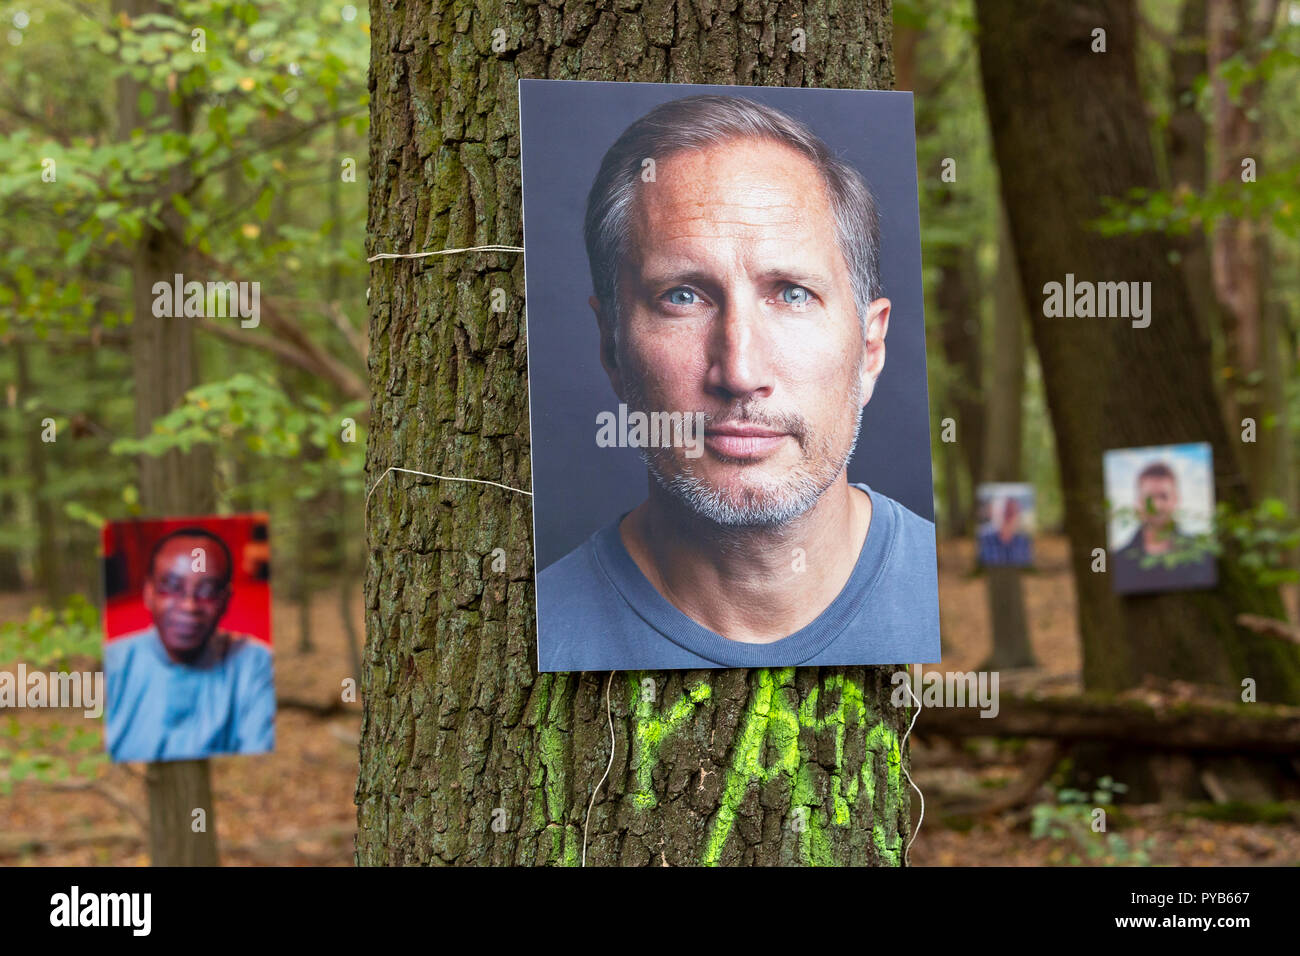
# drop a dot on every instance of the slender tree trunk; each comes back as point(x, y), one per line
point(49, 575)
point(346, 582)
point(1187, 148)
point(344, 530)
point(906, 42)
point(11, 572)
point(1068, 129)
point(957, 300)
point(1236, 28)
point(165, 367)
point(1278, 360)
point(1002, 458)
point(954, 494)
point(467, 754)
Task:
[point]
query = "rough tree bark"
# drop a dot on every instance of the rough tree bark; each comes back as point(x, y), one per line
point(164, 365)
point(468, 756)
point(1069, 128)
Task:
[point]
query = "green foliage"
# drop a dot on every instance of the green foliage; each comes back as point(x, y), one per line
point(1069, 821)
point(270, 424)
point(266, 72)
point(1265, 539)
point(250, 111)
point(247, 112)
point(57, 752)
point(50, 640)
point(53, 638)
point(1273, 198)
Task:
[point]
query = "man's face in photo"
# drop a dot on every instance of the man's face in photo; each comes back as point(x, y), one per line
point(1010, 520)
point(1158, 499)
point(735, 300)
point(187, 604)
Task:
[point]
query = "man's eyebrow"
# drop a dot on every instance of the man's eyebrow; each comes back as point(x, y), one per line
point(795, 274)
point(670, 275)
point(675, 276)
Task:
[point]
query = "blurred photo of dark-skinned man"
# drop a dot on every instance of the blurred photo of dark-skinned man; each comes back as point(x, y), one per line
point(184, 688)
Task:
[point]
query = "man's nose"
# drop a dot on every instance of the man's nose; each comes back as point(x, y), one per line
point(740, 353)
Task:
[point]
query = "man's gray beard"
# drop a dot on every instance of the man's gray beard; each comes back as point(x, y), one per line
point(767, 507)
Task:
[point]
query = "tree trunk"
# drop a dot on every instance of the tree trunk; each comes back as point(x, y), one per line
point(957, 300)
point(468, 756)
point(1002, 458)
point(11, 572)
point(49, 575)
point(1068, 129)
point(164, 368)
point(1236, 28)
point(1187, 151)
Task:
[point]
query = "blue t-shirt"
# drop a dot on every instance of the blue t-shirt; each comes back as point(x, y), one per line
point(596, 611)
point(160, 710)
point(994, 552)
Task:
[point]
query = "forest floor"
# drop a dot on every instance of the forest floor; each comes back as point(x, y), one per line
point(295, 806)
point(955, 778)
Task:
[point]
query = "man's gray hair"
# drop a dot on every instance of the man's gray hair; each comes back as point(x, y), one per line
point(696, 122)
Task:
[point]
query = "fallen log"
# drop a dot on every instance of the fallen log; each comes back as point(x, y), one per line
point(19, 844)
point(1181, 726)
point(329, 708)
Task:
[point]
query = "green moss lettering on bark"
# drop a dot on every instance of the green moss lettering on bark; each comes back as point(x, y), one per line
point(772, 724)
point(649, 731)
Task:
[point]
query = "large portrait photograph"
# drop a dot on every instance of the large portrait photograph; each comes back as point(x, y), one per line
point(1161, 508)
point(726, 353)
point(187, 626)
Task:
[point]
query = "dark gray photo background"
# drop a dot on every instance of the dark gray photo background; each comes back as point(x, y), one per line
point(566, 127)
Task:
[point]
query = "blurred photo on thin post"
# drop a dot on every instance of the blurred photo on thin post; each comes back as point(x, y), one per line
point(1161, 508)
point(187, 626)
point(1006, 524)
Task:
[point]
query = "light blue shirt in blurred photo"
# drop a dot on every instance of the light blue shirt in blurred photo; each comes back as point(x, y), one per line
point(158, 709)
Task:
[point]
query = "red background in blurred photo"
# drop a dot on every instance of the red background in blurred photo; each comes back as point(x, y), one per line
point(126, 547)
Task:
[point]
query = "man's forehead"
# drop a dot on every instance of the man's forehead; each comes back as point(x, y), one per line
point(737, 189)
point(1157, 488)
point(182, 547)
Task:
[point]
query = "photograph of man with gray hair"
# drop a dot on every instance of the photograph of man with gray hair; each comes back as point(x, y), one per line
point(735, 268)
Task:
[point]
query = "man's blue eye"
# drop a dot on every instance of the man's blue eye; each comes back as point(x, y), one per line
point(681, 297)
point(794, 295)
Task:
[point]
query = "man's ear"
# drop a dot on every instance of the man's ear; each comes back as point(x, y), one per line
point(877, 327)
point(608, 345)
